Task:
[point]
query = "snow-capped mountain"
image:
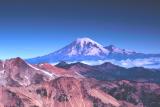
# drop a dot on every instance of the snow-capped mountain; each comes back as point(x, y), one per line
point(78, 50)
point(86, 49)
point(83, 46)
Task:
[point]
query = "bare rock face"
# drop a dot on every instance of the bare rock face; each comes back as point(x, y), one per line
point(61, 92)
point(9, 99)
point(1, 65)
point(137, 94)
point(17, 72)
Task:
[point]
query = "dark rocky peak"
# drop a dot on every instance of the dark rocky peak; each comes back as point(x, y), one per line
point(62, 64)
point(107, 65)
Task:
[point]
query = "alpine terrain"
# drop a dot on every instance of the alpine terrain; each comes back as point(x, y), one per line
point(91, 52)
point(37, 82)
point(77, 85)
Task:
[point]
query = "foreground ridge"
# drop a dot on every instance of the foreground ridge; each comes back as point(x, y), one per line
point(76, 85)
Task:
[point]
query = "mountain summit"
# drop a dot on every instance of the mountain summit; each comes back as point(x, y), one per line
point(80, 49)
point(86, 49)
point(83, 46)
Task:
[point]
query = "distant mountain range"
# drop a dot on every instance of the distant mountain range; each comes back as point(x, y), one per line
point(87, 50)
point(110, 72)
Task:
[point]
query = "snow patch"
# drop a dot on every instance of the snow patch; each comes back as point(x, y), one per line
point(79, 75)
point(2, 72)
point(84, 46)
point(45, 72)
point(3, 64)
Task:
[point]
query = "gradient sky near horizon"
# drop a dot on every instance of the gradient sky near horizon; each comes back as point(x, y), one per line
point(30, 28)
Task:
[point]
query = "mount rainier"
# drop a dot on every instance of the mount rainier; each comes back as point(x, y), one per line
point(91, 52)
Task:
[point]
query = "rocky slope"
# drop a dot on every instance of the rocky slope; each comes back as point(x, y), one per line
point(138, 94)
point(45, 85)
point(18, 72)
point(61, 92)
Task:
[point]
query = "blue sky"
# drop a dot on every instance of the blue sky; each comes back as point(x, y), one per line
point(33, 28)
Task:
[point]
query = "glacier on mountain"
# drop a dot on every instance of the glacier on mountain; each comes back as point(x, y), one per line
point(85, 49)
